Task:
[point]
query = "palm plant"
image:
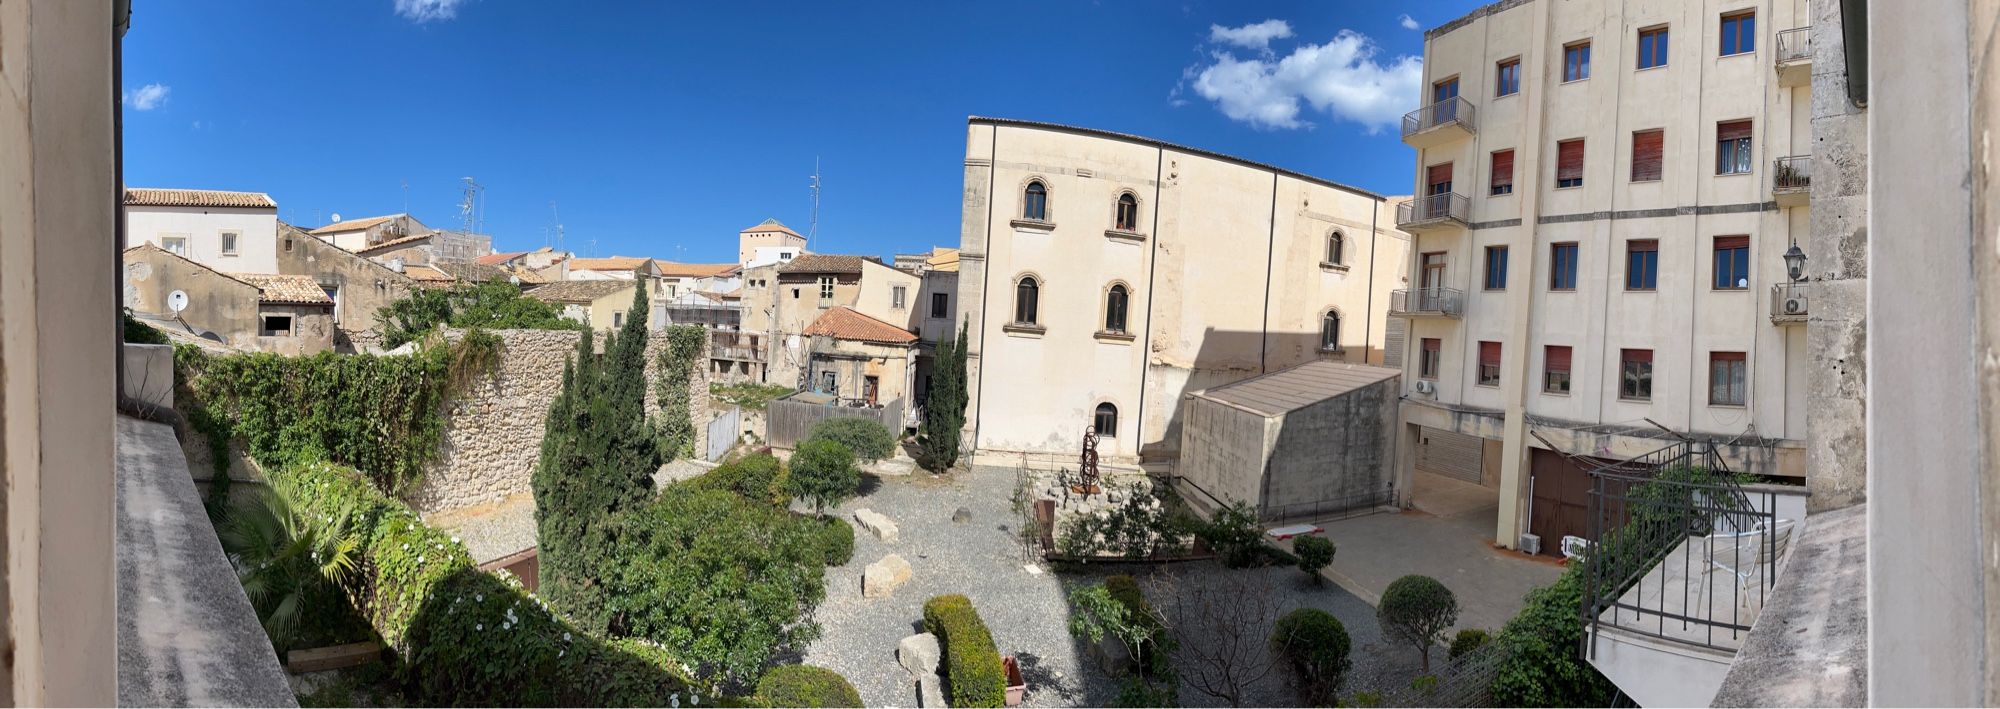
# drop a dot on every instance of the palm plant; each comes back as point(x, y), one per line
point(288, 561)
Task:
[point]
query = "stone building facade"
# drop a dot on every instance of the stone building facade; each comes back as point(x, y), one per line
point(358, 285)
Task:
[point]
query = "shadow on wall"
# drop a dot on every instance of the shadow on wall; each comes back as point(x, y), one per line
point(1223, 357)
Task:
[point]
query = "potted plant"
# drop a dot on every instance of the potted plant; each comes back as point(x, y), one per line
point(1017, 686)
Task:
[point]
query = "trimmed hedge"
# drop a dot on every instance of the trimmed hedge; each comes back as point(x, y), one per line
point(867, 438)
point(973, 673)
point(806, 686)
point(461, 636)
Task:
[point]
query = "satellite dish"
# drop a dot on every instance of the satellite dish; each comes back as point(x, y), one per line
point(336, 216)
point(177, 301)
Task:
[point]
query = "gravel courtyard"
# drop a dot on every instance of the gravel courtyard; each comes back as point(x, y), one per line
point(1025, 609)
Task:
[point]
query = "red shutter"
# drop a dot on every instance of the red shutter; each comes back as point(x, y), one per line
point(1503, 168)
point(1433, 344)
point(1638, 356)
point(1732, 242)
point(1643, 245)
point(1489, 353)
point(1725, 356)
point(1647, 148)
point(1439, 174)
point(1569, 160)
point(1557, 358)
point(1732, 130)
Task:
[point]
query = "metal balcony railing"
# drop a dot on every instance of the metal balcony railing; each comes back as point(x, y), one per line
point(1792, 174)
point(1795, 45)
point(1443, 113)
point(1433, 208)
point(1790, 301)
point(1444, 302)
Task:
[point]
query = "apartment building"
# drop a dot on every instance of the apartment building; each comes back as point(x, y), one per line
point(227, 231)
point(1103, 275)
point(1607, 196)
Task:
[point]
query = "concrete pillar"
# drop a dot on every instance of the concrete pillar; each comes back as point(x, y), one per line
point(1515, 383)
point(1837, 267)
point(972, 244)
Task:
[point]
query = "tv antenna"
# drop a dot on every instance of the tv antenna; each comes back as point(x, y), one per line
point(475, 201)
point(406, 195)
point(813, 227)
point(559, 226)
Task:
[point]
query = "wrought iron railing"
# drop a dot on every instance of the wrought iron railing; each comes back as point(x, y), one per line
point(1332, 508)
point(1678, 550)
point(1447, 302)
point(1792, 174)
point(1431, 208)
point(1452, 110)
point(1795, 45)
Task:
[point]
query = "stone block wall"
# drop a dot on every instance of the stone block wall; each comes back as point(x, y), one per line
point(493, 433)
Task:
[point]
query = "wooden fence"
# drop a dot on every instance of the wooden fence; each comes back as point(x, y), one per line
point(788, 421)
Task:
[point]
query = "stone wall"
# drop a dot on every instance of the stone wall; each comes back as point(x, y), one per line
point(493, 433)
point(1837, 266)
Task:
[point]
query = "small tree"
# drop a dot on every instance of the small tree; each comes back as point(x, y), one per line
point(1314, 553)
point(1217, 625)
point(823, 474)
point(1315, 644)
point(944, 408)
point(868, 438)
point(1467, 641)
point(1417, 610)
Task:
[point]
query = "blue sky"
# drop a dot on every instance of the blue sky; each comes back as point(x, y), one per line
point(663, 128)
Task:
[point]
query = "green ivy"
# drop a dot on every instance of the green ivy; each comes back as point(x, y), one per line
point(493, 305)
point(676, 376)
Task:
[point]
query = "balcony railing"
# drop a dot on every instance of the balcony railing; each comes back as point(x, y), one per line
point(1791, 180)
point(1789, 302)
point(1795, 45)
point(1433, 209)
point(1426, 302)
point(1452, 111)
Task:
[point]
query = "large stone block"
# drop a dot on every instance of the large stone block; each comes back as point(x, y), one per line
point(930, 691)
point(880, 579)
point(881, 526)
point(919, 653)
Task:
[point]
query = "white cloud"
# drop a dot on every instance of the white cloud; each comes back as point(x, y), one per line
point(421, 11)
point(1253, 36)
point(1408, 22)
point(1341, 78)
point(147, 97)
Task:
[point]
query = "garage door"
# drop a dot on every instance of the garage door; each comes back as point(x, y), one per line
point(1453, 455)
point(1561, 502)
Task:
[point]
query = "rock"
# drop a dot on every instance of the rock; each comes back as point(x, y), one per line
point(1111, 656)
point(880, 579)
point(882, 527)
point(961, 515)
point(930, 691)
point(919, 654)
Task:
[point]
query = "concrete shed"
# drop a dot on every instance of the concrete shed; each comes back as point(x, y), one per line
point(1313, 440)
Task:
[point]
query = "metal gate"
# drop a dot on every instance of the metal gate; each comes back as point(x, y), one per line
point(1453, 455)
point(723, 432)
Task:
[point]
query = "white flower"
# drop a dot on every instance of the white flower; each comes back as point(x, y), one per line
point(454, 540)
point(420, 560)
point(560, 653)
point(677, 700)
point(480, 627)
point(565, 637)
point(482, 596)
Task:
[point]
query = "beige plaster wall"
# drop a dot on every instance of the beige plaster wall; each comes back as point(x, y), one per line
point(363, 286)
point(217, 303)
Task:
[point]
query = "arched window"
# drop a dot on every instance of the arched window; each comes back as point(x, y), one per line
point(1026, 293)
point(1126, 214)
point(1114, 308)
point(1035, 202)
point(1336, 243)
point(1106, 421)
point(1329, 331)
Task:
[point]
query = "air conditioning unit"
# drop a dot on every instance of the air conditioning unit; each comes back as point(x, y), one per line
point(1531, 544)
point(1425, 386)
point(1795, 305)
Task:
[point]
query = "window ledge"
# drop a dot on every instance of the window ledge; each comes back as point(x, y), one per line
point(1332, 267)
point(1120, 235)
point(1333, 350)
point(1033, 224)
point(1727, 406)
point(1114, 337)
point(1024, 329)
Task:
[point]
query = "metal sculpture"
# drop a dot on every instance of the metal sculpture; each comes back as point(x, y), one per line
point(1087, 475)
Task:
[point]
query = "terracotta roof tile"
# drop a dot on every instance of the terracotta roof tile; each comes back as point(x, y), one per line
point(156, 197)
point(693, 270)
point(578, 291)
point(428, 274)
point(614, 263)
point(499, 259)
point(845, 323)
point(825, 263)
point(353, 224)
point(392, 243)
point(770, 225)
point(297, 290)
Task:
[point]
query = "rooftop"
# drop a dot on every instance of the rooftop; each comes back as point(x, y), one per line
point(824, 263)
point(162, 197)
point(393, 243)
point(1298, 387)
point(693, 270)
point(296, 290)
point(428, 275)
point(579, 291)
point(770, 225)
point(611, 263)
point(353, 224)
point(500, 259)
point(844, 323)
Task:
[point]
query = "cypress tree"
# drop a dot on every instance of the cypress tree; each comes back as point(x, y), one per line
point(944, 408)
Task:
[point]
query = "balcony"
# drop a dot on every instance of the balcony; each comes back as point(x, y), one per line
point(1794, 62)
point(1433, 213)
point(1427, 303)
point(1791, 181)
point(1789, 301)
point(1445, 121)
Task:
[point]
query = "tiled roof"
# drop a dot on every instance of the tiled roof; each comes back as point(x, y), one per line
point(296, 290)
point(392, 243)
point(353, 224)
point(614, 263)
point(472, 272)
point(770, 225)
point(156, 197)
point(825, 263)
point(845, 323)
point(528, 276)
point(693, 270)
point(500, 259)
point(578, 291)
point(428, 274)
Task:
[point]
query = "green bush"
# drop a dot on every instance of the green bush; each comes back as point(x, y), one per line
point(822, 474)
point(1232, 534)
point(493, 305)
point(759, 477)
point(971, 662)
point(806, 686)
point(1152, 656)
point(836, 537)
point(1315, 645)
point(1138, 528)
point(868, 439)
point(138, 332)
point(1541, 665)
point(1314, 553)
point(1466, 641)
point(1417, 610)
point(1424, 684)
point(1365, 699)
point(675, 370)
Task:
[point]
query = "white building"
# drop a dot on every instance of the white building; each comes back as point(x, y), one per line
point(232, 232)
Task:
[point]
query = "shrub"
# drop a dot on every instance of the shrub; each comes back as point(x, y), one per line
point(1417, 610)
point(292, 564)
point(493, 305)
point(1314, 553)
point(806, 686)
point(973, 672)
point(836, 538)
point(1152, 655)
point(1424, 684)
point(137, 332)
point(823, 474)
point(674, 389)
point(1365, 699)
point(1541, 666)
point(1232, 534)
point(1138, 528)
point(759, 477)
point(1315, 645)
point(866, 438)
point(1466, 641)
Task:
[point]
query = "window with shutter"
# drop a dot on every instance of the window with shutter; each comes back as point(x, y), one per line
point(1438, 179)
point(1642, 264)
point(1635, 380)
point(1489, 364)
point(1732, 148)
point(1727, 375)
point(1569, 163)
point(1496, 268)
point(1648, 150)
point(1562, 266)
point(1427, 362)
point(1503, 172)
point(1732, 262)
point(1555, 369)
